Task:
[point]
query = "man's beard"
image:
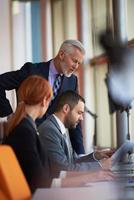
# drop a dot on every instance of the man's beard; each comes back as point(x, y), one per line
point(67, 74)
point(64, 71)
point(68, 123)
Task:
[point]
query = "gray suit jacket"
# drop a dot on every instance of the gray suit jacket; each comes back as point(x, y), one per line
point(57, 150)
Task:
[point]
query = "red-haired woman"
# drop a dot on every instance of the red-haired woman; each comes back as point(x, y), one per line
point(34, 96)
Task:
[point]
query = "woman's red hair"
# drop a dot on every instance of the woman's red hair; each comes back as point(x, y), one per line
point(32, 91)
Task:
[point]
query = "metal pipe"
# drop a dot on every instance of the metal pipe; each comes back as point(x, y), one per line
point(119, 22)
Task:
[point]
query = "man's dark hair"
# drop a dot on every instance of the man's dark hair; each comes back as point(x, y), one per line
point(69, 97)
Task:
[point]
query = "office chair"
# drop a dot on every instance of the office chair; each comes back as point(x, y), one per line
point(2, 195)
point(12, 180)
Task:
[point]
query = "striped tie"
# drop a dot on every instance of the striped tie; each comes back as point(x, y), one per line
point(57, 84)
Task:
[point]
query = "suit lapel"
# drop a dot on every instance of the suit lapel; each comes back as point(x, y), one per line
point(53, 120)
point(65, 84)
point(45, 69)
point(68, 83)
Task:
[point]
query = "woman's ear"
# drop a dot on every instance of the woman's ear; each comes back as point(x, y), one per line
point(44, 102)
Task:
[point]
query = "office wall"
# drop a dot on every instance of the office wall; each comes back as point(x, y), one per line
point(5, 36)
point(19, 34)
point(6, 61)
point(99, 23)
point(5, 45)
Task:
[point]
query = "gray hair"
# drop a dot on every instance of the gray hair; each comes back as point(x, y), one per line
point(67, 45)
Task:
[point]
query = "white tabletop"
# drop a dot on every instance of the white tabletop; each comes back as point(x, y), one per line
point(95, 191)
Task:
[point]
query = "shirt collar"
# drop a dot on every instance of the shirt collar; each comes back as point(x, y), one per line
point(61, 125)
point(52, 69)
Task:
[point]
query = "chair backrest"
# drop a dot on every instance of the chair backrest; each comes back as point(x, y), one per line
point(12, 180)
point(2, 195)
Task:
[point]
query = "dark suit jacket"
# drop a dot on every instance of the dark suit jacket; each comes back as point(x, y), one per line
point(57, 151)
point(12, 80)
point(30, 154)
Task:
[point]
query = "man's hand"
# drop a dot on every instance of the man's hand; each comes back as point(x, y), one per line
point(106, 163)
point(101, 154)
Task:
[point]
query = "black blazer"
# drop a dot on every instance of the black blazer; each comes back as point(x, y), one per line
point(30, 154)
point(12, 80)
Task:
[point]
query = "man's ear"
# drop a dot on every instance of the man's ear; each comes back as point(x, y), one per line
point(66, 108)
point(61, 54)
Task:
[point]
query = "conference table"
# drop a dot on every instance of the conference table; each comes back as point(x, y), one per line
point(121, 189)
point(94, 191)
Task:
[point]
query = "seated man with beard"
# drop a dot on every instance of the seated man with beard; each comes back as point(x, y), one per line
point(54, 134)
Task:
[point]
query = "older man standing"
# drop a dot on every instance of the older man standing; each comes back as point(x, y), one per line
point(59, 72)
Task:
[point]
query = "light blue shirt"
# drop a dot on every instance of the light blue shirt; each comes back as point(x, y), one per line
point(52, 73)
